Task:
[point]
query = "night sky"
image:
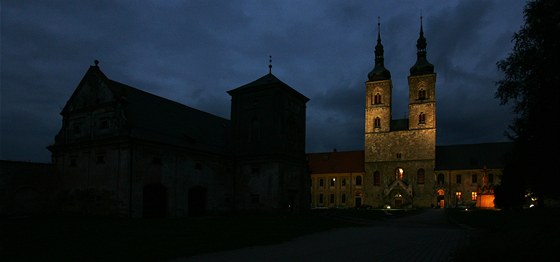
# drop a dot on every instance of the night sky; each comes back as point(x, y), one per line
point(193, 52)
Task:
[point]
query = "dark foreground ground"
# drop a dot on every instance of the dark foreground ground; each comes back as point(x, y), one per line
point(496, 235)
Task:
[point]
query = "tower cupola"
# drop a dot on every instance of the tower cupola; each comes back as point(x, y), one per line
point(379, 71)
point(422, 65)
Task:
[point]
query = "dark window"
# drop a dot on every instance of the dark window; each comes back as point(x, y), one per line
point(332, 181)
point(343, 198)
point(343, 182)
point(440, 179)
point(422, 118)
point(377, 122)
point(458, 179)
point(320, 198)
point(332, 198)
point(491, 178)
point(104, 123)
point(321, 182)
point(358, 180)
point(254, 170)
point(77, 129)
point(376, 178)
point(422, 94)
point(421, 176)
point(399, 155)
point(377, 99)
point(255, 198)
point(474, 179)
point(100, 159)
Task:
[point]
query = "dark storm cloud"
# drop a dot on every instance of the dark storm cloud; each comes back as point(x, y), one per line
point(194, 51)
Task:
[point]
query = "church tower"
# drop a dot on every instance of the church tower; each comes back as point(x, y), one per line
point(378, 93)
point(399, 154)
point(422, 89)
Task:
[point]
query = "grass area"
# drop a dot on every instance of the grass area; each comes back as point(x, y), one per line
point(108, 239)
point(512, 235)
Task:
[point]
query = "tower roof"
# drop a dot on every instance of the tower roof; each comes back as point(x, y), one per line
point(379, 71)
point(422, 66)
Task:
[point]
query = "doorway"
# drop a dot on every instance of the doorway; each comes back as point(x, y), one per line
point(154, 201)
point(197, 201)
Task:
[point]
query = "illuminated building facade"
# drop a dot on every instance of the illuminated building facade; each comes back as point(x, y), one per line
point(401, 165)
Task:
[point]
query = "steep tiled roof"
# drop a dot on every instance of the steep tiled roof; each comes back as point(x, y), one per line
point(267, 81)
point(336, 162)
point(472, 156)
point(154, 118)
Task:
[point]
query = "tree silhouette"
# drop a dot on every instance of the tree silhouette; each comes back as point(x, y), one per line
point(531, 83)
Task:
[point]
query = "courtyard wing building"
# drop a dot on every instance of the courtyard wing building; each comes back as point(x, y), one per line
point(123, 151)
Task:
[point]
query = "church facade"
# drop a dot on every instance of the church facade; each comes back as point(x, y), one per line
point(401, 166)
point(122, 151)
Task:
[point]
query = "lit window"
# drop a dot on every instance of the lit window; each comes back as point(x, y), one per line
point(399, 174)
point(458, 195)
point(473, 196)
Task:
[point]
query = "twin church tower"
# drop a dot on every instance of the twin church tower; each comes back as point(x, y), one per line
point(400, 153)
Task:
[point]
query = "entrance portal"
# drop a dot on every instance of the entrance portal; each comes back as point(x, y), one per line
point(154, 201)
point(440, 198)
point(197, 201)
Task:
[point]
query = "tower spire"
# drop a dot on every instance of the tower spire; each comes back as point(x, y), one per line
point(379, 71)
point(422, 65)
point(270, 64)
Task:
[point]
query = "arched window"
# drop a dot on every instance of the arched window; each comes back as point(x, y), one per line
point(399, 174)
point(377, 99)
point(422, 118)
point(377, 122)
point(376, 178)
point(440, 179)
point(359, 180)
point(421, 94)
point(421, 176)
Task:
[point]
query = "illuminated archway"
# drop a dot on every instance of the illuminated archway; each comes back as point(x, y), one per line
point(440, 201)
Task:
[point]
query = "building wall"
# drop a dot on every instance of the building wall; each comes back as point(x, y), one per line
point(26, 188)
point(337, 190)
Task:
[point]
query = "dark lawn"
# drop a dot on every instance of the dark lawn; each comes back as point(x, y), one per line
point(106, 239)
point(513, 235)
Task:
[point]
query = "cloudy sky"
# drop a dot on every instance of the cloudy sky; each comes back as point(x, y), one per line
point(193, 52)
